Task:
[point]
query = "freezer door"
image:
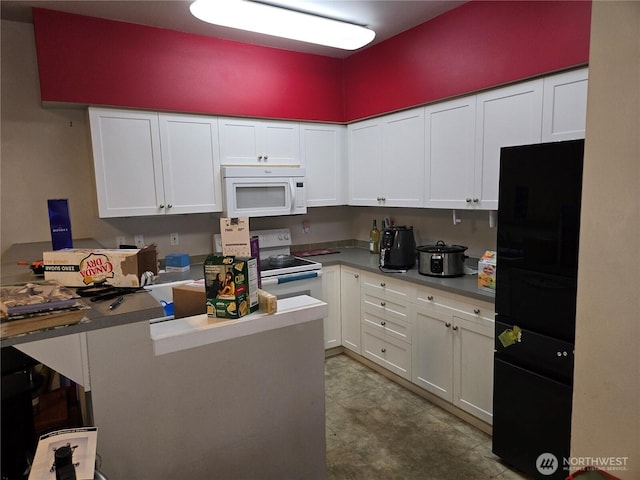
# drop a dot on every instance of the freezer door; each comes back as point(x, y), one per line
point(545, 355)
point(531, 421)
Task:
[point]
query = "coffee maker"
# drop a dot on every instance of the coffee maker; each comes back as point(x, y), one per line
point(397, 248)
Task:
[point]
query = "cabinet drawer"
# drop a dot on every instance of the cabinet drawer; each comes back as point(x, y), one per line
point(377, 318)
point(392, 354)
point(432, 298)
point(386, 287)
point(387, 308)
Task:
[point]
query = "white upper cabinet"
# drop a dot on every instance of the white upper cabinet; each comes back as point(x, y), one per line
point(506, 116)
point(259, 142)
point(365, 162)
point(450, 153)
point(151, 164)
point(403, 159)
point(322, 150)
point(386, 160)
point(564, 110)
point(190, 163)
point(128, 167)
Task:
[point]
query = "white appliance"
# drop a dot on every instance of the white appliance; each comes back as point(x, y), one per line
point(302, 277)
point(263, 192)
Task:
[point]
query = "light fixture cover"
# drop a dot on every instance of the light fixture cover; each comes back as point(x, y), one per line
point(280, 22)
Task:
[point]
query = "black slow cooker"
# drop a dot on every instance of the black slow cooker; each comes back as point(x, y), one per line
point(441, 260)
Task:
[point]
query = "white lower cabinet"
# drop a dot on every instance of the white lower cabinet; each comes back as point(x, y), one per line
point(452, 354)
point(350, 302)
point(331, 295)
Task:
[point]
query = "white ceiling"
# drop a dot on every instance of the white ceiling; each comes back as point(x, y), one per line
point(386, 17)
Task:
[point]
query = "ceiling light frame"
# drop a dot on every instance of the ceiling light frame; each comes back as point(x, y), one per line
point(281, 22)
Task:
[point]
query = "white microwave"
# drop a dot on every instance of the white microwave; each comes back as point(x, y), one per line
point(263, 192)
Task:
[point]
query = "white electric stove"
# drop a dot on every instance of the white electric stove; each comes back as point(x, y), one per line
point(301, 277)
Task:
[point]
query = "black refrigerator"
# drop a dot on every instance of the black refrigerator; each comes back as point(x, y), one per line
point(537, 261)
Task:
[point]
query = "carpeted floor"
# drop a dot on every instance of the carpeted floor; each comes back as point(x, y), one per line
point(377, 429)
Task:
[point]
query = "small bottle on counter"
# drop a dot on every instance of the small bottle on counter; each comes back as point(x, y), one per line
point(374, 239)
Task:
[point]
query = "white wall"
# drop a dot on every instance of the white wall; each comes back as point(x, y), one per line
point(606, 416)
point(46, 153)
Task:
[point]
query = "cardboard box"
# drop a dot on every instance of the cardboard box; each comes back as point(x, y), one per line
point(79, 267)
point(231, 285)
point(189, 299)
point(487, 271)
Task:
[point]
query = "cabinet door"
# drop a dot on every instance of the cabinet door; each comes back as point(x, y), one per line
point(190, 163)
point(403, 159)
point(450, 153)
point(564, 111)
point(473, 348)
point(239, 142)
point(281, 143)
point(432, 352)
point(504, 117)
point(350, 308)
point(128, 167)
point(365, 163)
point(323, 155)
point(331, 293)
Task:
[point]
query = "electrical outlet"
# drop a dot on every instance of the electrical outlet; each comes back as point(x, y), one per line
point(175, 240)
point(139, 239)
point(120, 240)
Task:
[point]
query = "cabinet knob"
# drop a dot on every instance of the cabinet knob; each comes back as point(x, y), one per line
point(475, 200)
point(382, 284)
point(455, 328)
point(356, 275)
point(266, 157)
point(259, 158)
point(476, 311)
point(447, 324)
point(468, 200)
point(382, 304)
point(169, 206)
point(383, 323)
point(161, 205)
point(430, 298)
point(383, 350)
point(384, 199)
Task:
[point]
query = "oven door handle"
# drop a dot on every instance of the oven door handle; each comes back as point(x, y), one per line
point(291, 278)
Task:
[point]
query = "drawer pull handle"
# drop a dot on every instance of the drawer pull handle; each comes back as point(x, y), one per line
point(476, 311)
point(383, 323)
point(430, 298)
point(383, 350)
point(455, 328)
point(447, 324)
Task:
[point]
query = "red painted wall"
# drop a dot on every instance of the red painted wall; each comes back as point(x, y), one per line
point(478, 45)
point(95, 61)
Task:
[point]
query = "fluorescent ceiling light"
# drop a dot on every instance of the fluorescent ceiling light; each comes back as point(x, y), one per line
point(280, 22)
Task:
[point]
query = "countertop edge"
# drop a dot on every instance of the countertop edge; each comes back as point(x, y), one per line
point(199, 330)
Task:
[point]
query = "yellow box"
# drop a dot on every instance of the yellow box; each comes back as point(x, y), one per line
point(487, 271)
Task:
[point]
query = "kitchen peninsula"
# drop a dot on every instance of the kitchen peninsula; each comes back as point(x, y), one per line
point(235, 399)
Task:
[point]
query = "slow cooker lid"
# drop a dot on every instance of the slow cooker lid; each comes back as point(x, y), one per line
point(441, 247)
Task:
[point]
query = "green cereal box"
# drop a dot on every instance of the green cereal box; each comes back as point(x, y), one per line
point(231, 285)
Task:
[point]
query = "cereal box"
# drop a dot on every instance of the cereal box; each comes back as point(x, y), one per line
point(487, 271)
point(231, 285)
